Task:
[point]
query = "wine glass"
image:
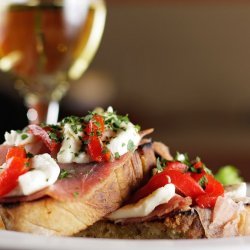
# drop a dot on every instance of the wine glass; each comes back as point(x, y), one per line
point(47, 44)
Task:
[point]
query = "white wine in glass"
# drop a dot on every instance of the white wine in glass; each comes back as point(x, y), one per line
point(47, 44)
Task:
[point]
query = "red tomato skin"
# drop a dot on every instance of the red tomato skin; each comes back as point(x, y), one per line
point(95, 148)
point(185, 183)
point(156, 181)
point(213, 190)
point(206, 201)
point(16, 152)
point(94, 131)
point(95, 125)
point(16, 166)
point(176, 165)
point(42, 134)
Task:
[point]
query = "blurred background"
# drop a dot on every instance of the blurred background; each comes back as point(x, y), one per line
point(181, 68)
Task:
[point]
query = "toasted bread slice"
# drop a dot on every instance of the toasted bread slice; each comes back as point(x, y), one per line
point(176, 225)
point(49, 216)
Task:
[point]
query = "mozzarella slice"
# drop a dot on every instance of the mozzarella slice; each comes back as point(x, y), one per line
point(15, 138)
point(146, 205)
point(44, 173)
point(71, 145)
point(120, 144)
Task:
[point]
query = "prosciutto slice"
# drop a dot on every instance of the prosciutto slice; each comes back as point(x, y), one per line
point(176, 203)
point(82, 178)
point(224, 220)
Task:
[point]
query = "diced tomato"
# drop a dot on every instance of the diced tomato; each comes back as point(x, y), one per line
point(16, 152)
point(206, 201)
point(197, 176)
point(95, 150)
point(157, 181)
point(16, 165)
point(95, 126)
point(93, 132)
point(198, 165)
point(185, 183)
point(213, 190)
point(176, 165)
point(42, 134)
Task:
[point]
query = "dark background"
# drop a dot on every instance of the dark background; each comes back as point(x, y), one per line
point(183, 69)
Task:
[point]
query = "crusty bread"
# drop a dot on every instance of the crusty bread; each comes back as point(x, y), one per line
point(48, 216)
point(177, 225)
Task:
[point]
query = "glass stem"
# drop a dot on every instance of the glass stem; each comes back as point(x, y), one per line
point(41, 111)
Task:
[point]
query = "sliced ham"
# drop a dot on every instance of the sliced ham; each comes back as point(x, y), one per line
point(97, 189)
point(224, 220)
point(177, 203)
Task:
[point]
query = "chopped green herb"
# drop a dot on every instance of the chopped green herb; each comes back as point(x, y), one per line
point(131, 145)
point(19, 131)
point(27, 164)
point(53, 136)
point(117, 155)
point(203, 181)
point(138, 127)
point(24, 136)
point(159, 165)
point(61, 152)
point(29, 155)
point(63, 174)
point(123, 144)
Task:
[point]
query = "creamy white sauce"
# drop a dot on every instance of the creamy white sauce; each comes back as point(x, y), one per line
point(44, 172)
point(71, 145)
point(15, 138)
point(119, 144)
point(146, 205)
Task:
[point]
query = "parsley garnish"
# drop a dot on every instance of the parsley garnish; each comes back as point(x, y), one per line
point(63, 174)
point(29, 155)
point(117, 155)
point(203, 181)
point(27, 164)
point(24, 136)
point(131, 145)
point(137, 127)
point(158, 165)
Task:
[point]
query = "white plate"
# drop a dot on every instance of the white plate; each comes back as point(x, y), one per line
point(20, 241)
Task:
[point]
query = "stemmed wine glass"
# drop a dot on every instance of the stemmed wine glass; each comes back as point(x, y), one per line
point(47, 44)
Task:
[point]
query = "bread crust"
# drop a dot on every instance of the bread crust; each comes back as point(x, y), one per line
point(178, 225)
point(48, 216)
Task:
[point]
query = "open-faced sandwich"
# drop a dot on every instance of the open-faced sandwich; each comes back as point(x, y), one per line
point(97, 176)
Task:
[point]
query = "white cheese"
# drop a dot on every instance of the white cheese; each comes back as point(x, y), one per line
point(15, 138)
point(44, 172)
point(236, 191)
point(146, 205)
point(119, 144)
point(71, 145)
